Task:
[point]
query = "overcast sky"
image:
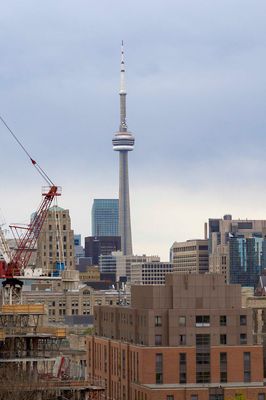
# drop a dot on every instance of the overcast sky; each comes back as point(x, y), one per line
point(196, 83)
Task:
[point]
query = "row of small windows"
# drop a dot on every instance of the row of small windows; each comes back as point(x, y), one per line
point(50, 215)
point(261, 396)
point(123, 141)
point(57, 227)
point(186, 248)
point(51, 254)
point(201, 320)
point(205, 320)
point(206, 341)
point(203, 372)
point(57, 245)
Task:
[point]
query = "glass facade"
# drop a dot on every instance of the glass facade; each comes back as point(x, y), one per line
point(104, 217)
point(247, 259)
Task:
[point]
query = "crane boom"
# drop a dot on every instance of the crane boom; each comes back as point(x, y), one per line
point(27, 242)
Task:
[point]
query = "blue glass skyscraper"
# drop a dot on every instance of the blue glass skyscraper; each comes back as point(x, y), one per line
point(247, 259)
point(104, 217)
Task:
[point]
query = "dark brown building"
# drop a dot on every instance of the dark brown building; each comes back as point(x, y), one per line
point(101, 245)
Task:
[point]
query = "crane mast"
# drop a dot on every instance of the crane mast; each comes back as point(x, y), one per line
point(4, 248)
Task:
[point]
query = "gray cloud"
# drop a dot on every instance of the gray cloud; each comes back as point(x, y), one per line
point(196, 98)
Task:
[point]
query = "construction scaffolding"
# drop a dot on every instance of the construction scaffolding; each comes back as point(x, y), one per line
point(30, 362)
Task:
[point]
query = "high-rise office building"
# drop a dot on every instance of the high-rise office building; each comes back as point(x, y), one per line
point(237, 249)
point(150, 273)
point(123, 142)
point(104, 217)
point(101, 245)
point(55, 245)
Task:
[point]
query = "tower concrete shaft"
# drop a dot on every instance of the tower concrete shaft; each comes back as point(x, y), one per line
point(123, 142)
point(124, 206)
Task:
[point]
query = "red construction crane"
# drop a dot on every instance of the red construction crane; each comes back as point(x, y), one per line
point(27, 240)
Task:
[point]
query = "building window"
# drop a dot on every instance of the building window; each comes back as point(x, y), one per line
point(182, 368)
point(194, 397)
point(223, 367)
point(261, 396)
point(246, 376)
point(203, 358)
point(243, 338)
point(158, 340)
point(182, 321)
point(170, 397)
point(243, 320)
point(222, 320)
point(223, 376)
point(246, 361)
point(202, 320)
point(203, 340)
point(203, 376)
point(158, 320)
point(182, 340)
point(223, 339)
point(159, 368)
point(123, 363)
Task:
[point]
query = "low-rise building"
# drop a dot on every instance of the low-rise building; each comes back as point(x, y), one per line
point(67, 297)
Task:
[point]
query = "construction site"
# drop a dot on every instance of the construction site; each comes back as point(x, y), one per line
point(32, 362)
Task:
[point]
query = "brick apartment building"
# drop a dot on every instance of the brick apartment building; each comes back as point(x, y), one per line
point(189, 339)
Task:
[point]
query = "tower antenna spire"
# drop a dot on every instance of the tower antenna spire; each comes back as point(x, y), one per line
point(122, 92)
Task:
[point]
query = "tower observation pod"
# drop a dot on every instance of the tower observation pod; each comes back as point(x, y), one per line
point(123, 141)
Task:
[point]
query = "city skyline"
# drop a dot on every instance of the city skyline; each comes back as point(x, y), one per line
point(200, 88)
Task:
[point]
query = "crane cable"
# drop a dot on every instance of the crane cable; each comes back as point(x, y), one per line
point(34, 163)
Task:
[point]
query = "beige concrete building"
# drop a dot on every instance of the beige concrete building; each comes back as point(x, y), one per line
point(66, 297)
point(124, 263)
point(150, 273)
point(190, 256)
point(55, 246)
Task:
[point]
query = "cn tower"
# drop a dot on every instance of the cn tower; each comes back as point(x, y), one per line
point(123, 142)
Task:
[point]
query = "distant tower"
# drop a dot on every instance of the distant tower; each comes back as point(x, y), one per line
point(123, 142)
